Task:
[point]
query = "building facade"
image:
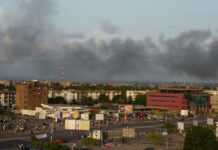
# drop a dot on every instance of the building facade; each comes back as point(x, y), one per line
point(134, 93)
point(213, 99)
point(168, 101)
point(30, 95)
point(8, 99)
point(77, 95)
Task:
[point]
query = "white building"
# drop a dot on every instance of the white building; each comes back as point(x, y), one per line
point(112, 93)
point(7, 99)
point(77, 95)
point(95, 94)
point(69, 95)
point(134, 93)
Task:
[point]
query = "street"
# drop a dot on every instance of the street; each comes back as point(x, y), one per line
point(11, 142)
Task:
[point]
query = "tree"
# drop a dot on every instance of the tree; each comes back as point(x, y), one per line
point(54, 146)
point(103, 98)
point(155, 138)
point(57, 100)
point(117, 99)
point(89, 101)
point(35, 142)
point(170, 127)
point(89, 142)
point(200, 138)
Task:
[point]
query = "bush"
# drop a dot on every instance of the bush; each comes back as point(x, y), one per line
point(89, 142)
point(36, 143)
point(53, 146)
point(155, 138)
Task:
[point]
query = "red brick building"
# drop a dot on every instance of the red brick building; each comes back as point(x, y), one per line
point(30, 95)
point(169, 101)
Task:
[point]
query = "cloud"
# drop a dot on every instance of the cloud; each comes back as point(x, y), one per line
point(109, 28)
point(31, 48)
point(190, 53)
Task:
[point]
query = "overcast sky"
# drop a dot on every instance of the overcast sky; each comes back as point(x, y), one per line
point(142, 17)
point(109, 40)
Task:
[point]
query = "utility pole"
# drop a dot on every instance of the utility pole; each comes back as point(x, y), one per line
point(51, 131)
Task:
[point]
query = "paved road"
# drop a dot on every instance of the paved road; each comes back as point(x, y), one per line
point(11, 142)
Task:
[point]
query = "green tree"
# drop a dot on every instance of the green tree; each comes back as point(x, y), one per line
point(57, 100)
point(170, 127)
point(89, 142)
point(35, 143)
point(54, 146)
point(103, 98)
point(155, 138)
point(117, 99)
point(200, 138)
point(87, 101)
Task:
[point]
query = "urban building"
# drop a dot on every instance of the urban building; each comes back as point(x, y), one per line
point(134, 93)
point(77, 95)
point(30, 95)
point(213, 99)
point(8, 99)
point(168, 101)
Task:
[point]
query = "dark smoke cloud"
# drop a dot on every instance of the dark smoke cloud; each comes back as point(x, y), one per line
point(192, 53)
point(25, 36)
point(31, 48)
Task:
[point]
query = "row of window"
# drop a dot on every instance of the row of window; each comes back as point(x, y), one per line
point(171, 96)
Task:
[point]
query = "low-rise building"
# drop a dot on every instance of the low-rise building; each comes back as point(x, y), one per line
point(77, 95)
point(134, 93)
point(168, 101)
point(213, 99)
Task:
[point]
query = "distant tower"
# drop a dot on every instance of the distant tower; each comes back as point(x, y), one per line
point(61, 73)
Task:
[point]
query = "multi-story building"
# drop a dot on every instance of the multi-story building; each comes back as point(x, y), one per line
point(68, 95)
point(213, 99)
point(7, 99)
point(169, 101)
point(112, 93)
point(134, 93)
point(77, 95)
point(30, 95)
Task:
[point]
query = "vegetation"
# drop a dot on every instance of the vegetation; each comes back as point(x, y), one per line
point(112, 87)
point(88, 101)
point(103, 98)
point(37, 144)
point(170, 127)
point(200, 138)
point(57, 100)
point(53, 146)
point(89, 142)
point(155, 138)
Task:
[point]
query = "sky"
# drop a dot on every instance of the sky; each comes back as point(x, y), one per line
point(141, 18)
point(116, 40)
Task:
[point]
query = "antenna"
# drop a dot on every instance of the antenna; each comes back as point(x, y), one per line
point(61, 73)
